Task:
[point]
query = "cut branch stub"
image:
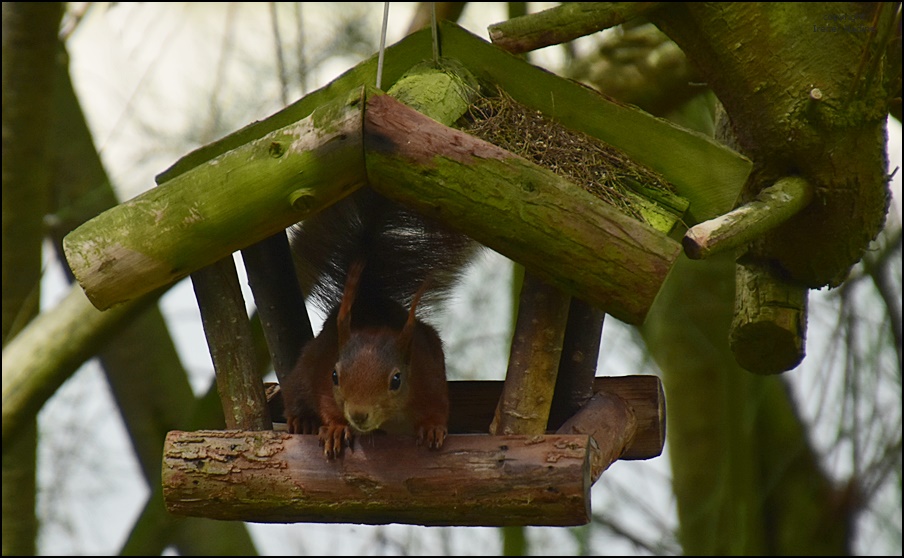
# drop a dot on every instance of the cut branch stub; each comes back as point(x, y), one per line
point(773, 206)
point(234, 200)
point(558, 231)
point(801, 104)
point(768, 332)
point(473, 480)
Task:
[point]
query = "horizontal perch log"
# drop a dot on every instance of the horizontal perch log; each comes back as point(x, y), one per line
point(565, 235)
point(472, 404)
point(473, 480)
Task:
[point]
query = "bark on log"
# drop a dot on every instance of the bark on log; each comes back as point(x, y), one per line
point(279, 300)
point(530, 380)
point(611, 425)
point(769, 329)
point(473, 480)
point(228, 334)
point(577, 365)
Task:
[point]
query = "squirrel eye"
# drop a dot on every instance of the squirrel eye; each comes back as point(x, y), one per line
point(396, 381)
point(335, 377)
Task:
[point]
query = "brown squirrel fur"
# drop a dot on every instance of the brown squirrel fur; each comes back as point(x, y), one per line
point(374, 365)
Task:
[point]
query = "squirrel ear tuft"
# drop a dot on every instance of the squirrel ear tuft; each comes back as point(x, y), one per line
point(344, 319)
point(407, 332)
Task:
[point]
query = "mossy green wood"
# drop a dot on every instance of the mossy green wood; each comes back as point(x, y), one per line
point(231, 201)
point(565, 235)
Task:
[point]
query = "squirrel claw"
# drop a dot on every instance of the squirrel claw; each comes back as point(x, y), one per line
point(293, 425)
point(301, 425)
point(431, 436)
point(333, 438)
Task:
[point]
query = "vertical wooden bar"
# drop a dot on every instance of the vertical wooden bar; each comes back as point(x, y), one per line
point(534, 360)
point(228, 335)
point(279, 300)
point(577, 367)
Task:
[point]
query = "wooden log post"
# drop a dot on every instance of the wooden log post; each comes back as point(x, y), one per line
point(530, 380)
point(229, 340)
point(577, 365)
point(474, 480)
point(279, 301)
point(583, 329)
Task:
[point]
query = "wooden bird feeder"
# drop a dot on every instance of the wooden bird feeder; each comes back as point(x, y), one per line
point(555, 427)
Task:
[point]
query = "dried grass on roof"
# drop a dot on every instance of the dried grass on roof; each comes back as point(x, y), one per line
point(601, 169)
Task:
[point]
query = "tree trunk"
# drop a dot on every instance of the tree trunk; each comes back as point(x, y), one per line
point(152, 393)
point(29, 46)
point(806, 96)
point(745, 478)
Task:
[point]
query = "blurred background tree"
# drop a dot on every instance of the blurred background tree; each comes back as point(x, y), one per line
point(809, 462)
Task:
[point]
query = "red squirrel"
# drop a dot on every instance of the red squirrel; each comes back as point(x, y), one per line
point(374, 365)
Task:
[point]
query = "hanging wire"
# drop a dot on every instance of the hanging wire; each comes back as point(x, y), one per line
point(435, 34)
point(382, 44)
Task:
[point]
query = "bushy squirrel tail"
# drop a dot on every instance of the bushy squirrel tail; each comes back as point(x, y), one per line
point(401, 248)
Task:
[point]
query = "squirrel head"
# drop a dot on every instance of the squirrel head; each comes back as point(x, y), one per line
point(371, 376)
point(371, 379)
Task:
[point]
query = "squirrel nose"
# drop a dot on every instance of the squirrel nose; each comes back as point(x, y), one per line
point(359, 419)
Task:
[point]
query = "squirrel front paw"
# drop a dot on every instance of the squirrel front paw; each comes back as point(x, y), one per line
point(432, 436)
point(333, 438)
